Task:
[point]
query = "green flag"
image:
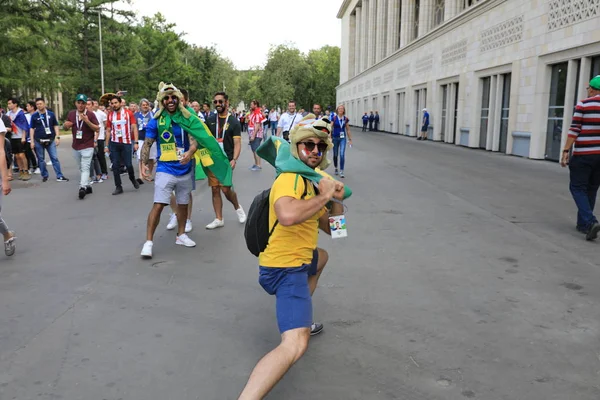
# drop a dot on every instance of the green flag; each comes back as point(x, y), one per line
point(211, 156)
point(276, 152)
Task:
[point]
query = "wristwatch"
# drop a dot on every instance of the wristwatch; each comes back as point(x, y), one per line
point(566, 151)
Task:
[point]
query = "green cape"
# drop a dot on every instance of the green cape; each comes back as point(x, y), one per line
point(276, 152)
point(207, 145)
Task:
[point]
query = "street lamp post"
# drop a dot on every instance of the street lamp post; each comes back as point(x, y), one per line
point(101, 56)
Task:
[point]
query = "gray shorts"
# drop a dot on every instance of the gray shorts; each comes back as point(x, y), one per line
point(165, 184)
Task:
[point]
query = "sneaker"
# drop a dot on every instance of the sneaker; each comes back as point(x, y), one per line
point(81, 193)
point(62, 179)
point(593, 232)
point(118, 190)
point(336, 171)
point(88, 190)
point(147, 250)
point(184, 240)
point(217, 223)
point(37, 171)
point(48, 162)
point(316, 328)
point(342, 174)
point(241, 215)
point(140, 181)
point(188, 226)
point(135, 184)
point(9, 245)
point(45, 179)
point(20, 176)
point(255, 168)
point(252, 167)
point(26, 176)
point(172, 222)
point(97, 180)
point(104, 177)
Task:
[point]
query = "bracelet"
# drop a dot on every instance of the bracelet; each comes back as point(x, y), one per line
point(566, 151)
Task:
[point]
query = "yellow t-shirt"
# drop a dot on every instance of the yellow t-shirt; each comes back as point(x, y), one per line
point(290, 246)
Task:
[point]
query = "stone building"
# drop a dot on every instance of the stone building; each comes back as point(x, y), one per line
point(501, 75)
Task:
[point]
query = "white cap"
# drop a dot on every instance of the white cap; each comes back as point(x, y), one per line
point(424, 109)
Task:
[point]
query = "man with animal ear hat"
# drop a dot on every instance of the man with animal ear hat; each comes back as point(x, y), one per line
point(172, 128)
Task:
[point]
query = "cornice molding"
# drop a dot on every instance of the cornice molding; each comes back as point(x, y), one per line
point(343, 8)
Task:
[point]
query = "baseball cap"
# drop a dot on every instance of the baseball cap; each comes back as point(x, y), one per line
point(81, 97)
point(595, 82)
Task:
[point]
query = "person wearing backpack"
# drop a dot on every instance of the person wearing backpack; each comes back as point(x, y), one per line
point(290, 262)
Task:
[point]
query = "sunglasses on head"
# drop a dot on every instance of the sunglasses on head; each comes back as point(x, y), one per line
point(310, 146)
point(219, 101)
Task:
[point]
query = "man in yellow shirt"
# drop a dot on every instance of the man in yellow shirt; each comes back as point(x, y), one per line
point(291, 264)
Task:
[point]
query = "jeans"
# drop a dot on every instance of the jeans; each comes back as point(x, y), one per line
point(83, 158)
point(102, 156)
point(31, 158)
point(95, 164)
point(585, 181)
point(273, 129)
point(120, 151)
point(364, 127)
point(51, 149)
point(339, 146)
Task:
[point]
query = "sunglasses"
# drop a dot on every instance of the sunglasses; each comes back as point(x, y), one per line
point(310, 146)
point(218, 101)
point(167, 97)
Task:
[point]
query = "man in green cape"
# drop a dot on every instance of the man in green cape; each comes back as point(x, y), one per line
point(179, 134)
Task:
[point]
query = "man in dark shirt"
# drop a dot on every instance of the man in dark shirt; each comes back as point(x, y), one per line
point(371, 120)
point(84, 126)
point(227, 130)
point(44, 130)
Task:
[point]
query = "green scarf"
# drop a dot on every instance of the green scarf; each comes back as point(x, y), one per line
point(276, 152)
point(211, 155)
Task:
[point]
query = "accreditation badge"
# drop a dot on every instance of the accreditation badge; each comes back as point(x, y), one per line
point(337, 224)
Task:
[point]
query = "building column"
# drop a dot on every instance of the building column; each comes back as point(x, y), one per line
point(408, 8)
point(364, 36)
point(372, 29)
point(380, 47)
point(352, 46)
point(585, 70)
point(357, 41)
point(393, 26)
point(450, 8)
point(426, 8)
point(497, 113)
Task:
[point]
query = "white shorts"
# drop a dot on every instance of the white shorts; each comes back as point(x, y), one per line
point(152, 150)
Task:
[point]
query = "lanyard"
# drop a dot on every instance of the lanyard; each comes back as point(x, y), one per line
point(47, 125)
point(341, 122)
point(79, 125)
point(225, 123)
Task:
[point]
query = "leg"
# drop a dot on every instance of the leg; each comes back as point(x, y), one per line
point(128, 161)
point(153, 220)
point(54, 158)
point(183, 196)
point(77, 157)
point(102, 157)
point(321, 260)
point(115, 155)
point(173, 204)
point(580, 172)
point(336, 149)
point(231, 195)
point(342, 148)
point(272, 367)
point(217, 202)
point(190, 206)
point(182, 211)
point(86, 163)
point(40, 151)
point(594, 185)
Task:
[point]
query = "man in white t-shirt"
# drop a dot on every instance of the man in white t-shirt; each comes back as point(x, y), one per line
point(101, 117)
point(288, 120)
point(273, 119)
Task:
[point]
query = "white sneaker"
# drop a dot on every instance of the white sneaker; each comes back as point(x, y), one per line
point(241, 215)
point(172, 222)
point(147, 250)
point(184, 240)
point(217, 223)
point(37, 171)
point(188, 226)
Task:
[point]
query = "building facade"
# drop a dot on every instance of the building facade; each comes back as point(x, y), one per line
point(501, 75)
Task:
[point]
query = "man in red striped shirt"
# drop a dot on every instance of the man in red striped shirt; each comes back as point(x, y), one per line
point(121, 128)
point(584, 166)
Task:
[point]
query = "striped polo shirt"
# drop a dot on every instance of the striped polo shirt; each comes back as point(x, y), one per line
point(585, 127)
point(120, 126)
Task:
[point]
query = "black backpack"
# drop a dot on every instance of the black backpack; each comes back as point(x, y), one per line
point(257, 232)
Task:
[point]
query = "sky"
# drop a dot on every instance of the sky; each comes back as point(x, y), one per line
point(243, 30)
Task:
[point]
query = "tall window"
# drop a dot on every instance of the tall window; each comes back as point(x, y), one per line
point(556, 110)
point(485, 111)
point(416, 20)
point(444, 110)
point(505, 112)
point(438, 16)
point(595, 67)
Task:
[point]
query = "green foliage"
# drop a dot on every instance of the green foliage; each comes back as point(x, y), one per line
point(52, 46)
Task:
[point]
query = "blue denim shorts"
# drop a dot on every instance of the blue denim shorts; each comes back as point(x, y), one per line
point(290, 287)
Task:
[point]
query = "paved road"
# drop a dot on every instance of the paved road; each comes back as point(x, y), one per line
point(462, 277)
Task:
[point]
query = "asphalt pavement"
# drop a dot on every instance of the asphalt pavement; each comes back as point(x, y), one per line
point(462, 277)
